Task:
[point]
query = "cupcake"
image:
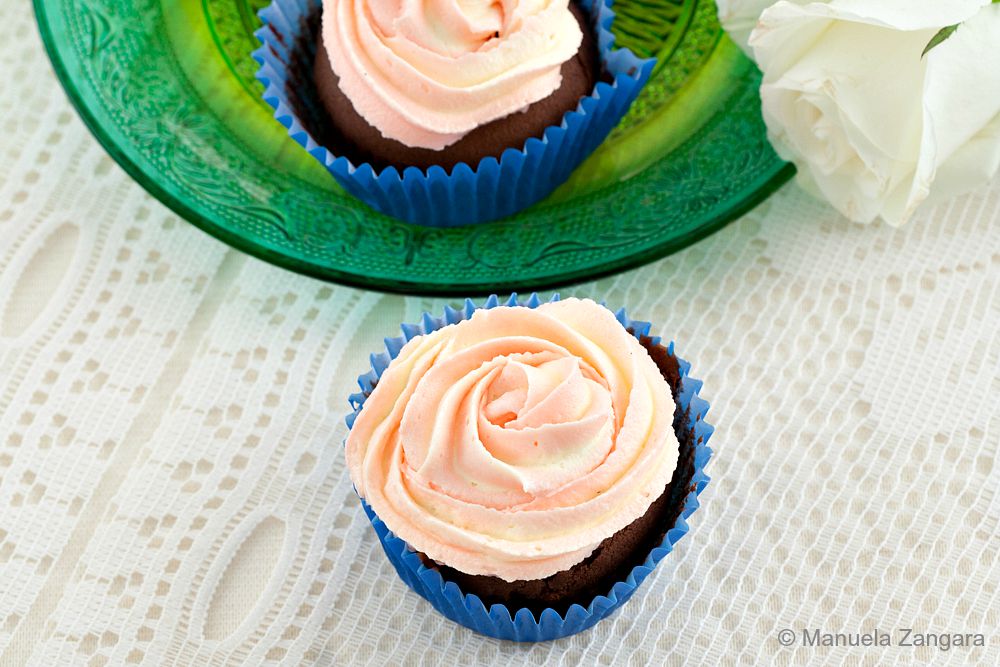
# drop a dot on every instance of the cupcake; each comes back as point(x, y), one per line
point(522, 71)
point(447, 113)
point(526, 466)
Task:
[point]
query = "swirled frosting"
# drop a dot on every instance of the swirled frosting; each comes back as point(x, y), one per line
point(513, 443)
point(427, 72)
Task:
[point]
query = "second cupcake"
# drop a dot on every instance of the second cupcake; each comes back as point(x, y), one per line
point(525, 467)
point(447, 113)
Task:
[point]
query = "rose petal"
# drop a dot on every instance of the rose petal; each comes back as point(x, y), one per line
point(739, 18)
point(961, 102)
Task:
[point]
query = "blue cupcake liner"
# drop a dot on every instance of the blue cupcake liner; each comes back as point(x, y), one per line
point(468, 194)
point(521, 624)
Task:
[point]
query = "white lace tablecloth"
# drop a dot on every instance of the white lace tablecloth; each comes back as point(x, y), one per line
point(172, 489)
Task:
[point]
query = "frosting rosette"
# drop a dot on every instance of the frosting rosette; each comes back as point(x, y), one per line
point(427, 72)
point(511, 444)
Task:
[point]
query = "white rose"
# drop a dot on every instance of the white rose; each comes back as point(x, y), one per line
point(739, 18)
point(868, 122)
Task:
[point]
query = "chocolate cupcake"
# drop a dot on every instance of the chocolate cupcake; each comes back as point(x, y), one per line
point(488, 131)
point(534, 460)
point(447, 113)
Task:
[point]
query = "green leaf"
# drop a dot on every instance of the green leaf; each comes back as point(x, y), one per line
point(943, 34)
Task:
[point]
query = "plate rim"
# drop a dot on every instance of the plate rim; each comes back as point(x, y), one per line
point(392, 286)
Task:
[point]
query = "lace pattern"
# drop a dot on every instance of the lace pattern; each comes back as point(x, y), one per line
point(172, 488)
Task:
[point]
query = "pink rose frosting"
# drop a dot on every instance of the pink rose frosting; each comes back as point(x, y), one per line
point(427, 72)
point(513, 443)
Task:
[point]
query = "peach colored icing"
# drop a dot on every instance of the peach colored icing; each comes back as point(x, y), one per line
point(427, 72)
point(513, 443)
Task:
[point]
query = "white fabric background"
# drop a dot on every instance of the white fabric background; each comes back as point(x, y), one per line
point(172, 490)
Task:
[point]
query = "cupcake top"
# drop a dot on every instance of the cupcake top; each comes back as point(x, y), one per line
point(513, 443)
point(427, 72)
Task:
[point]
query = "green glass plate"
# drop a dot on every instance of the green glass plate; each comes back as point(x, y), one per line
point(168, 88)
